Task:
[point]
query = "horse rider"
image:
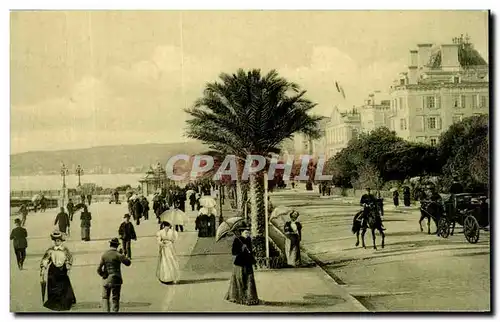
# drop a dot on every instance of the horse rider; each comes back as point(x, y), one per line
point(368, 201)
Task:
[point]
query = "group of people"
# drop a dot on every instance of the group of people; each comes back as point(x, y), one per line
point(138, 207)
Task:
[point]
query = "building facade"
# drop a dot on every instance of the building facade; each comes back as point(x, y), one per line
point(340, 129)
point(443, 85)
point(375, 112)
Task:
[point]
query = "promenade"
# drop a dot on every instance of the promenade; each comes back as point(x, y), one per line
point(205, 270)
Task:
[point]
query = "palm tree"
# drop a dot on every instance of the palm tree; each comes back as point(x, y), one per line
point(251, 114)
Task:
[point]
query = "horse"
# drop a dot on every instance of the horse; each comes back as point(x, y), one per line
point(373, 221)
point(430, 209)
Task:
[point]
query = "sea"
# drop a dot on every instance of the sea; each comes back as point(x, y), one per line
point(54, 182)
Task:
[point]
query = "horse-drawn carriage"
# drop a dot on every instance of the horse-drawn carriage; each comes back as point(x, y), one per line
point(470, 210)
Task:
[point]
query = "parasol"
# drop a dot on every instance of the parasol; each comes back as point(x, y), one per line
point(43, 286)
point(208, 211)
point(133, 197)
point(208, 202)
point(174, 217)
point(280, 211)
point(228, 226)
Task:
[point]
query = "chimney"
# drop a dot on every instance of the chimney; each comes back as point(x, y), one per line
point(449, 57)
point(412, 75)
point(424, 54)
point(413, 58)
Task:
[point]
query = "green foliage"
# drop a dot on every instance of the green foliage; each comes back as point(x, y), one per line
point(464, 152)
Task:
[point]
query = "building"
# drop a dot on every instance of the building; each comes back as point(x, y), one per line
point(375, 111)
point(340, 129)
point(443, 84)
point(156, 178)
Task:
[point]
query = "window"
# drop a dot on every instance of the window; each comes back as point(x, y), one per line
point(474, 101)
point(456, 101)
point(431, 123)
point(402, 124)
point(456, 79)
point(401, 81)
point(433, 141)
point(462, 101)
point(430, 102)
point(400, 103)
point(482, 101)
point(457, 118)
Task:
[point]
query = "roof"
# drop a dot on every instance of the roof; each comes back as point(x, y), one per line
point(467, 57)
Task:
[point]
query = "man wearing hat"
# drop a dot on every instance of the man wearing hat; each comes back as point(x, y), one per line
point(62, 220)
point(127, 233)
point(18, 236)
point(110, 270)
point(368, 200)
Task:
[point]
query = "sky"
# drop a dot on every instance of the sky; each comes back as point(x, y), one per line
point(91, 78)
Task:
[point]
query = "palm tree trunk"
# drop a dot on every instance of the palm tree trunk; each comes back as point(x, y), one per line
point(256, 194)
point(239, 196)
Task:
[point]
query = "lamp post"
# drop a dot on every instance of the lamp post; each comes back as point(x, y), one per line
point(79, 173)
point(64, 173)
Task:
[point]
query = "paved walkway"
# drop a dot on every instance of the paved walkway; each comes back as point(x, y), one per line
point(205, 272)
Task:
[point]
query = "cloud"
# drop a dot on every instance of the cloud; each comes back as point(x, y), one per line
point(329, 65)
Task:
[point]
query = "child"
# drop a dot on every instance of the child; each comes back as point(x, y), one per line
point(18, 235)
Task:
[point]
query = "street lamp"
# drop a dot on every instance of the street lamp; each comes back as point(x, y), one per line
point(64, 173)
point(79, 173)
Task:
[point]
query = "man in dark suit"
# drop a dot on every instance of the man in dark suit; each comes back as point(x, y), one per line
point(62, 220)
point(127, 233)
point(110, 270)
point(71, 209)
point(18, 235)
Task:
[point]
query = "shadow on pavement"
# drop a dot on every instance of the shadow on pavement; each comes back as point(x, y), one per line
point(202, 280)
point(97, 305)
point(310, 301)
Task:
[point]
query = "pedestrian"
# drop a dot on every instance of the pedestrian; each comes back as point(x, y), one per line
point(201, 223)
point(127, 234)
point(192, 200)
point(54, 267)
point(89, 198)
point(198, 203)
point(293, 233)
point(242, 288)
point(395, 198)
point(82, 198)
point(71, 209)
point(24, 213)
point(212, 229)
point(62, 221)
point(406, 196)
point(167, 270)
point(137, 211)
point(110, 271)
point(145, 207)
point(85, 218)
point(18, 235)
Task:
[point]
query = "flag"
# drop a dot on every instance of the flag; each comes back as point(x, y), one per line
point(342, 92)
point(337, 85)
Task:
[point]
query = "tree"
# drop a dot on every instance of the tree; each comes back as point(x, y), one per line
point(247, 113)
point(464, 147)
point(368, 177)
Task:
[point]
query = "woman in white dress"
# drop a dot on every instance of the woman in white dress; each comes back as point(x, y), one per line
point(168, 266)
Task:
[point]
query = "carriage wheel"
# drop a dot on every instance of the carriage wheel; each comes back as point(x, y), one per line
point(471, 229)
point(444, 227)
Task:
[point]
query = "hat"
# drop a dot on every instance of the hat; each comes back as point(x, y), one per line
point(294, 214)
point(56, 234)
point(114, 242)
point(17, 221)
point(126, 216)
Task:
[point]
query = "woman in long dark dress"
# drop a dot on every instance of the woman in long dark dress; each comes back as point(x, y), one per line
point(54, 268)
point(242, 288)
point(406, 196)
point(395, 198)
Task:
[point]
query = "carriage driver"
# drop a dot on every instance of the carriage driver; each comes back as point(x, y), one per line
point(369, 200)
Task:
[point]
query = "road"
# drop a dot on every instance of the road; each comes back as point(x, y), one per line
point(414, 272)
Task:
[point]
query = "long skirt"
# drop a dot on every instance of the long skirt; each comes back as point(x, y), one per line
point(168, 266)
point(406, 200)
point(60, 295)
point(396, 201)
point(292, 250)
point(242, 288)
point(86, 233)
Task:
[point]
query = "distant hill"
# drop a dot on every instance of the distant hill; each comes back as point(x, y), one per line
point(104, 159)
